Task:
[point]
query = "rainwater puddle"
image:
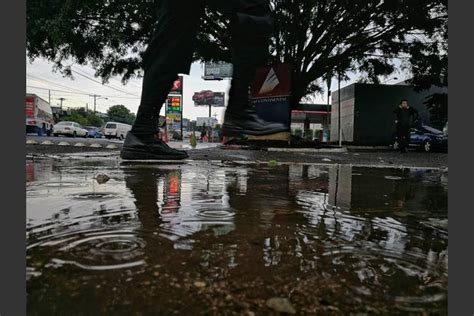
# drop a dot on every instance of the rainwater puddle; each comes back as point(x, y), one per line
point(333, 240)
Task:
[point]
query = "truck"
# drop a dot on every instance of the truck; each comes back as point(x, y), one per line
point(39, 116)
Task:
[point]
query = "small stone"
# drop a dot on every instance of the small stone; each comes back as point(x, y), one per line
point(102, 178)
point(47, 142)
point(79, 145)
point(31, 142)
point(199, 284)
point(281, 305)
point(95, 145)
point(327, 160)
point(111, 146)
point(63, 144)
point(156, 273)
point(228, 297)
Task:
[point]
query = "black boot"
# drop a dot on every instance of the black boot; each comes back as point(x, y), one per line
point(147, 147)
point(247, 122)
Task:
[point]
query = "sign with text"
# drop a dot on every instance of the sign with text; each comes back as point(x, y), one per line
point(174, 104)
point(217, 71)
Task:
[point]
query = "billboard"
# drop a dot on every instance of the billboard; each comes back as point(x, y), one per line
point(177, 87)
point(209, 98)
point(217, 71)
point(272, 81)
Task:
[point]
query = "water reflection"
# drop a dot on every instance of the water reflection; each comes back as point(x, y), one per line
point(354, 237)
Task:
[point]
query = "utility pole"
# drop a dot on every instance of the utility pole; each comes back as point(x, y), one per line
point(339, 107)
point(49, 97)
point(87, 107)
point(95, 100)
point(61, 106)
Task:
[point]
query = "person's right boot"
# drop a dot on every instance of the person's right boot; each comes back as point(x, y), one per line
point(247, 122)
point(147, 147)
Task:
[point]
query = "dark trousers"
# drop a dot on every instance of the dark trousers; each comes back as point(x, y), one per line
point(171, 49)
point(403, 134)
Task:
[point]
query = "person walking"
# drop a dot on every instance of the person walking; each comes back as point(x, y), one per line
point(170, 52)
point(406, 118)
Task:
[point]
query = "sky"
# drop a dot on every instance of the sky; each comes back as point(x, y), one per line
point(77, 91)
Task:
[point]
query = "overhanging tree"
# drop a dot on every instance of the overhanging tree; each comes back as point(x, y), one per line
point(317, 37)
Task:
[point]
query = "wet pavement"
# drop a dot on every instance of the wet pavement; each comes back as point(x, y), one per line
point(208, 238)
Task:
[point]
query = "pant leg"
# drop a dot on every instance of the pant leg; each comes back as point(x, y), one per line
point(404, 137)
point(169, 52)
point(251, 28)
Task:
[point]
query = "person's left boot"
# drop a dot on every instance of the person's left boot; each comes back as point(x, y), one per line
point(147, 147)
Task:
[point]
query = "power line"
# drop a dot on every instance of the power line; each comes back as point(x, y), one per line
point(96, 81)
point(35, 78)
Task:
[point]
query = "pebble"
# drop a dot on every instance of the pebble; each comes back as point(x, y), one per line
point(102, 178)
point(199, 284)
point(281, 305)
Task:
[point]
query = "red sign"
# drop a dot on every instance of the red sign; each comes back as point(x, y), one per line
point(272, 81)
point(30, 107)
point(177, 86)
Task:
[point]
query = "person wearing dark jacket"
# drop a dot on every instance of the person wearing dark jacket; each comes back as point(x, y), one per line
point(170, 52)
point(407, 117)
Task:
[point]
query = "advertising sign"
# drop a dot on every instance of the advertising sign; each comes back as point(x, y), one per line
point(272, 81)
point(177, 87)
point(270, 93)
point(217, 71)
point(174, 104)
point(209, 98)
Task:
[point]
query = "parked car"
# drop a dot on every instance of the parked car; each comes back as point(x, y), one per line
point(69, 129)
point(94, 132)
point(426, 138)
point(116, 130)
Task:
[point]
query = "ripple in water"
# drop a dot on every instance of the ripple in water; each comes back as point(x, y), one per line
point(93, 250)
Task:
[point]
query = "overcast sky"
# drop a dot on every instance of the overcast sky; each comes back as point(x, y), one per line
point(40, 77)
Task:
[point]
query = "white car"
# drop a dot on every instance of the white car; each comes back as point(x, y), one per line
point(69, 129)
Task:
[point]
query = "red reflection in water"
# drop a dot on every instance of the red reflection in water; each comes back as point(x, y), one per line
point(30, 172)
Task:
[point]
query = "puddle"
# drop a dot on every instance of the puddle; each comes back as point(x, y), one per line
point(331, 239)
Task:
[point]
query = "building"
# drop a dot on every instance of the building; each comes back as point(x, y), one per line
point(311, 117)
point(207, 121)
point(367, 111)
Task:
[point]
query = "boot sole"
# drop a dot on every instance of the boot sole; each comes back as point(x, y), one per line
point(128, 154)
point(237, 131)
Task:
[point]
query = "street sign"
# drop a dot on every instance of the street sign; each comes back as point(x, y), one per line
point(217, 70)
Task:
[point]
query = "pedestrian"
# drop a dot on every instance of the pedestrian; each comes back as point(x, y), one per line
point(170, 52)
point(406, 118)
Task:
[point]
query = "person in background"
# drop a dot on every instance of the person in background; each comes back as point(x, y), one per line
point(406, 118)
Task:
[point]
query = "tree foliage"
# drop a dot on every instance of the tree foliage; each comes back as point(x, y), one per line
point(83, 117)
point(319, 38)
point(120, 113)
